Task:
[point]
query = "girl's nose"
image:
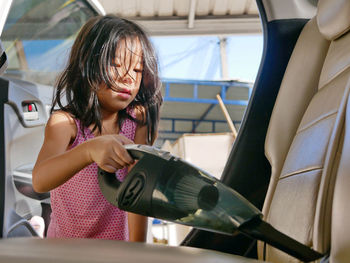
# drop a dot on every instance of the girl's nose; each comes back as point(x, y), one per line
point(127, 80)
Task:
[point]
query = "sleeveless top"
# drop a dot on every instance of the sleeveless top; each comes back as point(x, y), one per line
point(79, 210)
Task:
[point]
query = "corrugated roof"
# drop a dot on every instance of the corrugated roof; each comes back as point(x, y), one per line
point(189, 17)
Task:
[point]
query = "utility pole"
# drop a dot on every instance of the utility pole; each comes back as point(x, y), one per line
point(224, 76)
point(223, 58)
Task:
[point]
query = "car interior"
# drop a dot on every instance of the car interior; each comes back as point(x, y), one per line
point(290, 159)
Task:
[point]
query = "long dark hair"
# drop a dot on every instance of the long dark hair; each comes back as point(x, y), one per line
point(90, 65)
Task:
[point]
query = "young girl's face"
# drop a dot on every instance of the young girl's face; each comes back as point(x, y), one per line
point(126, 71)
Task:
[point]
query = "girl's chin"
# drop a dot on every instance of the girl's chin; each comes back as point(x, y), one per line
point(121, 106)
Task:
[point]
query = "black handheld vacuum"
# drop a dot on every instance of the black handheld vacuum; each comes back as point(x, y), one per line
point(163, 186)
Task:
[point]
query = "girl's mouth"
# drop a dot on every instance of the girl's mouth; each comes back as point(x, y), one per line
point(121, 90)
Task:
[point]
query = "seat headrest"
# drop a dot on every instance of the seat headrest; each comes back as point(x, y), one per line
point(333, 18)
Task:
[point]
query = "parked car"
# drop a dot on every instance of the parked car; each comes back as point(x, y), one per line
point(290, 158)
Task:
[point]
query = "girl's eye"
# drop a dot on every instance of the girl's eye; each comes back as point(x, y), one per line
point(138, 70)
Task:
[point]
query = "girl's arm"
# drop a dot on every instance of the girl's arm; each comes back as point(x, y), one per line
point(55, 165)
point(138, 223)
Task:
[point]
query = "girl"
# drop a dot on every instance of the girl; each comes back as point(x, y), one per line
point(112, 98)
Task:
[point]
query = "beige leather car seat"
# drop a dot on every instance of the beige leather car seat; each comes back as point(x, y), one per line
point(307, 136)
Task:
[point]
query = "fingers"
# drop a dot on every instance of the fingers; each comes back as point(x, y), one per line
point(123, 140)
point(108, 168)
point(123, 157)
point(116, 159)
point(112, 166)
point(109, 153)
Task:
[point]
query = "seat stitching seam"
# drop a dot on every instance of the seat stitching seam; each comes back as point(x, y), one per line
point(305, 170)
point(321, 118)
point(333, 77)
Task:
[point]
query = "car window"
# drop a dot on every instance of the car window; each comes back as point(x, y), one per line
point(38, 35)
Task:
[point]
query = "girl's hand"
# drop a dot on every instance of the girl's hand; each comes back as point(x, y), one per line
point(109, 153)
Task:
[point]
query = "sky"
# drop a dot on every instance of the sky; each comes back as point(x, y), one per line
point(199, 57)
point(193, 57)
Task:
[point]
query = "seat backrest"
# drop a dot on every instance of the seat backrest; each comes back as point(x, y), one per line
point(307, 134)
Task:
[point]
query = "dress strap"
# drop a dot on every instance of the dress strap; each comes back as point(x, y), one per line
point(128, 128)
point(79, 134)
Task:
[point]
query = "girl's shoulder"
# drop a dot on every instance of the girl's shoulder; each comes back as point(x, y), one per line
point(62, 122)
point(62, 117)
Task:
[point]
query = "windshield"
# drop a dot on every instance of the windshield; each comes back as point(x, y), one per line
point(38, 35)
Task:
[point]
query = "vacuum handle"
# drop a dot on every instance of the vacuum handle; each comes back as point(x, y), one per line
point(137, 151)
point(133, 153)
point(109, 184)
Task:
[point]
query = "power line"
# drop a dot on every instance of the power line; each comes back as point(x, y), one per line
point(187, 53)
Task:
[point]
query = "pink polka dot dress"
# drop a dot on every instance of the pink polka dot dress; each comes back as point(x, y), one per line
point(79, 210)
